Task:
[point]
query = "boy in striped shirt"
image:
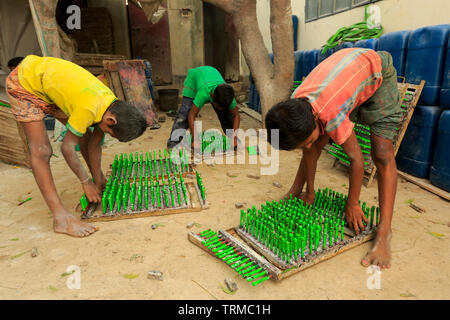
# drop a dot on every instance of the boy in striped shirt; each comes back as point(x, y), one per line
point(351, 85)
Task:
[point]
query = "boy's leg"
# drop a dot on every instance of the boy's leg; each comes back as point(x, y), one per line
point(383, 113)
point(40, 153)
point(180, 122)
point(384, 159)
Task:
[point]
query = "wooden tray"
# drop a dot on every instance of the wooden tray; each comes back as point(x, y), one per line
point(266, 260)
point(195, 204)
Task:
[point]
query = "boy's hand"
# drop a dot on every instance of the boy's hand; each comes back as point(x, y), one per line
point(235, 142)
point(355, 217)
point(102, 183)
point(92, 192)
point(308, 197)
point(196, 146)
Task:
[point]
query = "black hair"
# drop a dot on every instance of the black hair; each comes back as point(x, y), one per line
point(223, 95)
point(14, 62)
point(131, 122)
point(295, 120)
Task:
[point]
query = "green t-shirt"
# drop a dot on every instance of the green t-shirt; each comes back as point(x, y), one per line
point(200, 84)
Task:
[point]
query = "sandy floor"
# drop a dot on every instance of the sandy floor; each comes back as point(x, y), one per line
point(114, 262)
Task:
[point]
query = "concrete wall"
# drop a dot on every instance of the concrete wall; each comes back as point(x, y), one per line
point(395, 15)
point(118, 11)
point(186, 35)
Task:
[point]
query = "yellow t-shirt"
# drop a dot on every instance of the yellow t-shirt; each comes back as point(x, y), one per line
point(78, 93)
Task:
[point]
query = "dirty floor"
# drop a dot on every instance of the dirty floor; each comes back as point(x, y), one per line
point(114, 261)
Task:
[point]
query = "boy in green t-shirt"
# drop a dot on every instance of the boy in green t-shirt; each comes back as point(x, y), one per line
point(202, 85)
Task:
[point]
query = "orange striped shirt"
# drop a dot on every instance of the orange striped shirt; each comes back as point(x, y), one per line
point(338, 85)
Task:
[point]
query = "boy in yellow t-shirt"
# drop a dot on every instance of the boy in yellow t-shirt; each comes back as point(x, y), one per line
point(45, 85)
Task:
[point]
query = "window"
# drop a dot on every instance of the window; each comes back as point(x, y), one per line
point(341, 5)
point(311, 10)
point(316, 9)
point(326, 8)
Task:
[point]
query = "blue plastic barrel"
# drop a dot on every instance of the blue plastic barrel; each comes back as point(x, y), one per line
point(396, 43)
point(344, 45)
point(321, 57)
point(445, 91)
point(427, 50)
point(309, 61)
point(251, 97)
point(367, 44)
point(295, 27)
point(440, 170)
point(298, 71)
point(415, 154)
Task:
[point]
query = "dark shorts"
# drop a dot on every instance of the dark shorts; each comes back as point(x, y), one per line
point(382, 112)
point(181, 121)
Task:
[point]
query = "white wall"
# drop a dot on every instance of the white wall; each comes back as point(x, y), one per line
point(395, 15)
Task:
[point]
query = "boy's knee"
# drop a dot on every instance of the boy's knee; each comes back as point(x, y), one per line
point(41, 151)
point(383, 156)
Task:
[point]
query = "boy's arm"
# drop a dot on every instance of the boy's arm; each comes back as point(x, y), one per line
point(236, 123)
point(353, 212)
point(311, 157)
point(68, 151)
point(191, 118)
point(95, 157)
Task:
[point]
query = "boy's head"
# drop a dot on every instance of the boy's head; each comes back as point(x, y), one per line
point(223, 96)
point(296, 124)
point(123, 121)
point(14, 62)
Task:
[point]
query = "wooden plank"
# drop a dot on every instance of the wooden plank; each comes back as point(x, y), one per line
point(250, 112)
point(94, 59)
point(425, 184)
point(128, 82)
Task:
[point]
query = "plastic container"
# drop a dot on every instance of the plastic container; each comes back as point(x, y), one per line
point(309, 61)
point(49, 122)
point(367, 44)
point(445, 91)
point(344, 45)
point(148, 69)
point(415, 154)
point(440, 170)
point(298, 71)
point(321, 57)
point(168, 99)
point(427, 49)
point(396, 43)
point(295, 27)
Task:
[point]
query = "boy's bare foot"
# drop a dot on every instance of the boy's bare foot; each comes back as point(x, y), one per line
point(68, 224)
point(294, 191)
point(380, 255)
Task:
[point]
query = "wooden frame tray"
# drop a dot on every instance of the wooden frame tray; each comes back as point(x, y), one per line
point(195, 204)
point(266, 260)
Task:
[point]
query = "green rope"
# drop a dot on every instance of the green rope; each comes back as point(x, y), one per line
point(353, 33)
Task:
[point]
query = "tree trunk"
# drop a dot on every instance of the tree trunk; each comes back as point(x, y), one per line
point(273, 81)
